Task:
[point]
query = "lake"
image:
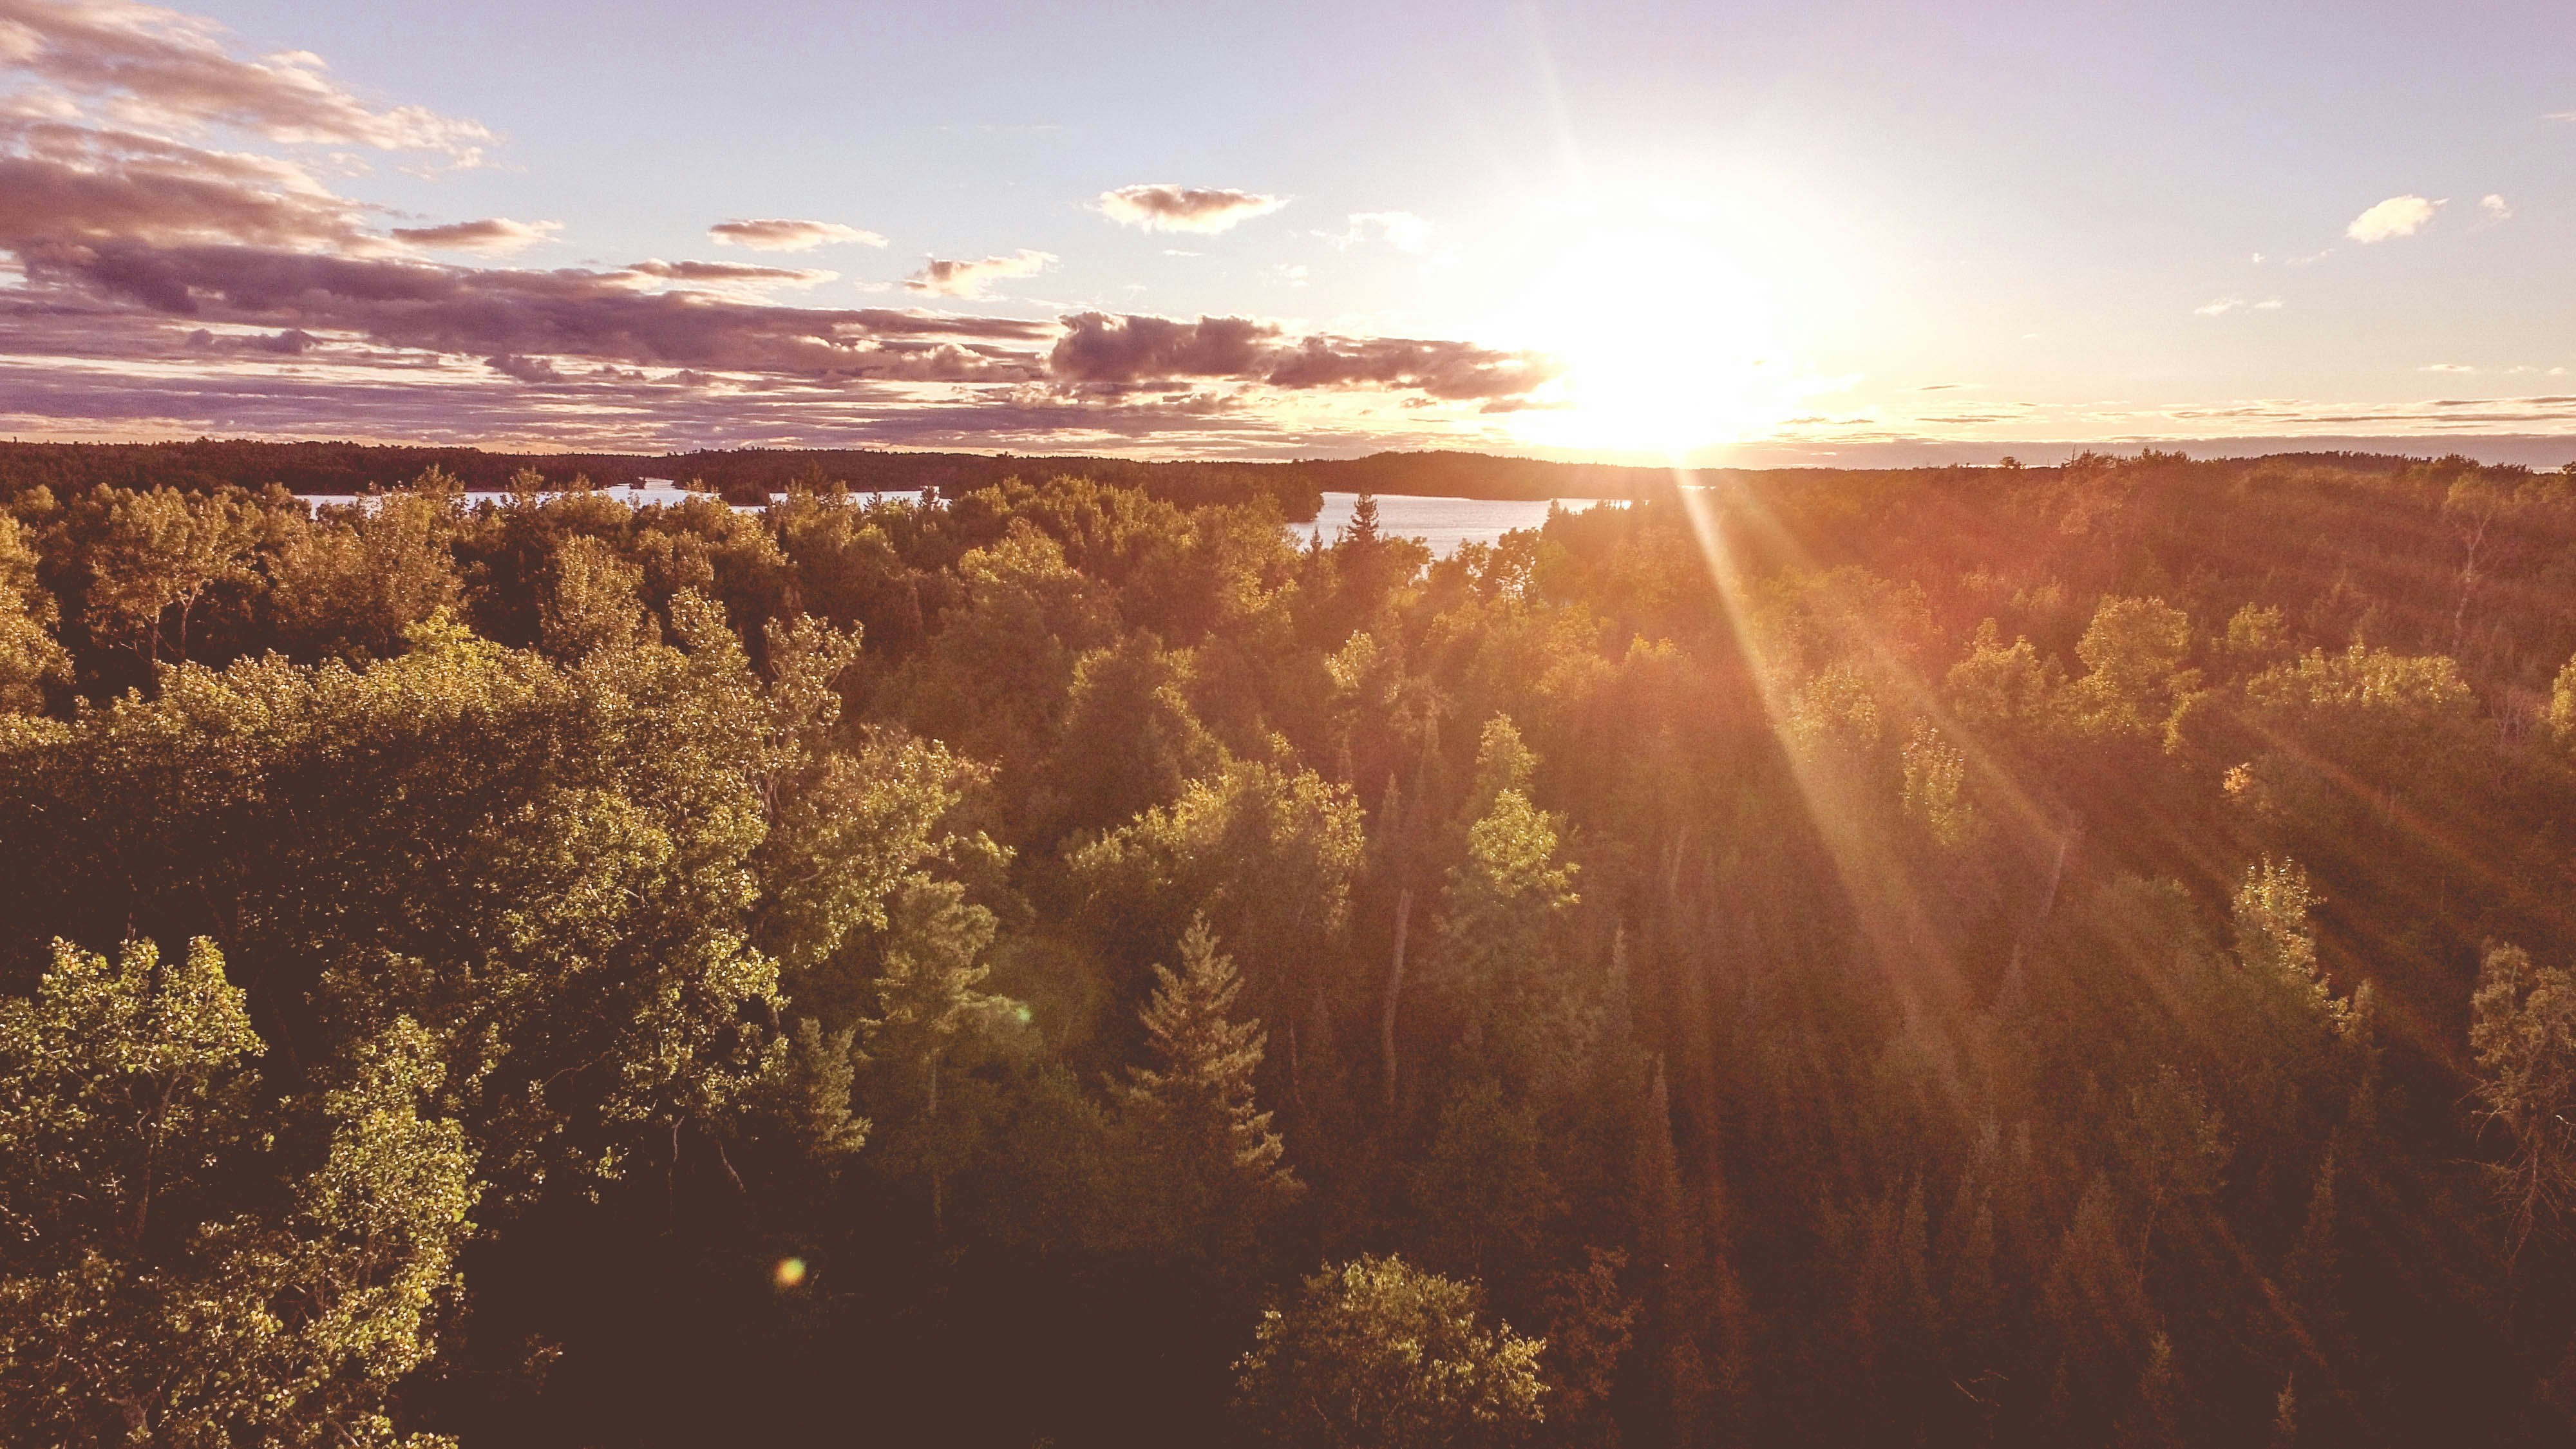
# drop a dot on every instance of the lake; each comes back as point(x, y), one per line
point(1443, 523)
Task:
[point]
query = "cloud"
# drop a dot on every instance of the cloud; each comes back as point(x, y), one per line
point(779, 235)
point(1401, 230)
point(2397, 216)
point(568, 312)
point(2446, 367)
point(169, 282)
point(525, 369)
point(745, 274)
point(1161, 206)
point(494, 235)
point(2494, 207)
point(155, 67)
point(66, 182)
point(972, 279)
point(1130, 351)
point(2224, 305)
point(1099, 348)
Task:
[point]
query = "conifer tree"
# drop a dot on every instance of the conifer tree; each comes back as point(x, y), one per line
point(1195, 1103)
point(2523, 1029)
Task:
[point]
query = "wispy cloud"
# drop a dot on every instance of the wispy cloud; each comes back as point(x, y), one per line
point(2397, 216)
point(2446, 367)
point(777, 234)
point(1401, 230)
point(1162, 206)
point(975, 279)
point(491, 236)
point(729, 274)
point(2224, 305)
point(2494, 207)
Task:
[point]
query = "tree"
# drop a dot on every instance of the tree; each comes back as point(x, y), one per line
point(1500, 914)
point(2134, 651)
point(596, 601)
point(30, 658)
point(2175, 1148)
point(929, 998)
point(1377, 1354)
point(547, 868)
point(1267, 855)
point(161, 552)
point(1481, 1195)
point(1362, 529)
point(154, 1288)
point(1205, 1140)
point(2522, 1025)
point(1129, 741)
point(352, 585)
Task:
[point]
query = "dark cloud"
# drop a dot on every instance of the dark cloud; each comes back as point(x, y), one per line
point(488, 312)
point(1161, 206)
point(668, 412)
point(492, 234)
point(1449, 370)
point(1100, 349)
point(525, 369)
point(776, 234)
point(157, 66)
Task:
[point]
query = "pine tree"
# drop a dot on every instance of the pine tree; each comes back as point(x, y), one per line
point(2523, 1029)
point(2155, 1422)
point(1213, 1171)
point(1198, 1095)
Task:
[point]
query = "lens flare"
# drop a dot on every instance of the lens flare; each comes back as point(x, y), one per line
point(789, 1273)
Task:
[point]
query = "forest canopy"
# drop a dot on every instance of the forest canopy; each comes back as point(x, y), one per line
point(2033, 956)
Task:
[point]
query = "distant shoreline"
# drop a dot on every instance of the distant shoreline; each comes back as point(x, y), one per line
point(1297, 486)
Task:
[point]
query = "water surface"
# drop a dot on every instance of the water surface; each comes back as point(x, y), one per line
point(1443, 523)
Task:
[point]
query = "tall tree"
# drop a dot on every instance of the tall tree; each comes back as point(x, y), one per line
point(2523, 1028)
point(157, 556)
point(1204, 1137)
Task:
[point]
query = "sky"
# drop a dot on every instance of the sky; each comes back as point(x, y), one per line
point(1860, 233)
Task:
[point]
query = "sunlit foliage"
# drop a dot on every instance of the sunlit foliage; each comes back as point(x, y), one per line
point(2059, 955)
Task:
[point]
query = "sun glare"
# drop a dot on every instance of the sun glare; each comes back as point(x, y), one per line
point(1670, 347)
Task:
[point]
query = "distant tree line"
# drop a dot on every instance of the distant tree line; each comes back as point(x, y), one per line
point(751, 475)
point(2032, 957)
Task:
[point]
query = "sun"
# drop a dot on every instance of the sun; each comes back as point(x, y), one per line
point(1669, 347)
